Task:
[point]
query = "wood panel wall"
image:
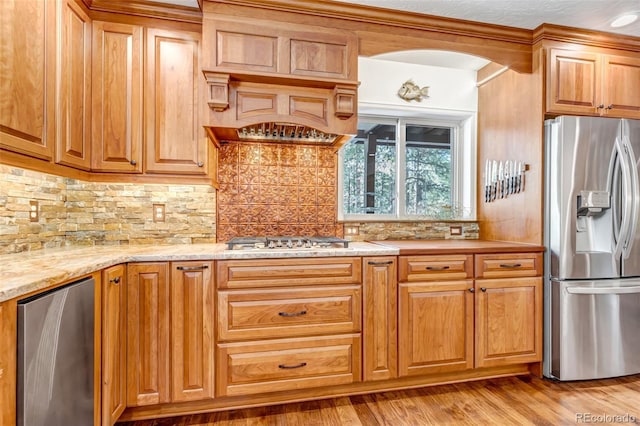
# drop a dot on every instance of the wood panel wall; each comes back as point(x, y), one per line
point(511, 127)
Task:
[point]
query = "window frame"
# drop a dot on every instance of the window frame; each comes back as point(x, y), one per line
point(461, 142)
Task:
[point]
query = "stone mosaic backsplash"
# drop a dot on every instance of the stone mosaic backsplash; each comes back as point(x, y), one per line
point(372, 231)
point(276, 189)
point(74, 212)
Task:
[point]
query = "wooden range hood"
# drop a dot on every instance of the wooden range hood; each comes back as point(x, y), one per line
point(278, 82)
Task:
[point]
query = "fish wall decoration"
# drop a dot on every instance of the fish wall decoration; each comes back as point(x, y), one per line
point(409, 91)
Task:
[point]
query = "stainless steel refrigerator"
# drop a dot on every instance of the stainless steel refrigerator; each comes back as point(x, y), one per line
point(592, 235)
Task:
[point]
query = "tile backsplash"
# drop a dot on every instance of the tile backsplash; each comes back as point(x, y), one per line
point(90, 213)
point(426, 230)
point(276, 189)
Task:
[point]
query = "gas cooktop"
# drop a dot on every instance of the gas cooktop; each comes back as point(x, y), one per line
point(285, 242)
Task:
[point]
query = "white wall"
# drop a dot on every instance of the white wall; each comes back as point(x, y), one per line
point(450, 89)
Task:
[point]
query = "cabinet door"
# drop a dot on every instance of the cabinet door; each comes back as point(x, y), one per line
point(174, 140)
point(27, 76)
point(116, 97)
point(148, 332)
point(114, 345)
point(380, 325)
point(435, 327)
point(508, 321)
point(573, 82)
point(8, 361)
point(73, 114)
point(192, 330)
point(622, 86)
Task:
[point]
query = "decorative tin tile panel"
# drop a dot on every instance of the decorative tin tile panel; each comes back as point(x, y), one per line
point(276, 189)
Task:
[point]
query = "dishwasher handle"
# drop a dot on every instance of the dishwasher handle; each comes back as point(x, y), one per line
point(603, 290)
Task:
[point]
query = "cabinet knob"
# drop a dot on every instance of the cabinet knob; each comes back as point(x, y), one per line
point(472, 290)
point(133, 162)
point(600, 106)
point(610, 106)
point(115, 280)
point(484, 289)
point(200, 164)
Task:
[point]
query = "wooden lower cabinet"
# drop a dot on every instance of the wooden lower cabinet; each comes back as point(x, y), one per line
point(380, 325)
point(169, 332)
point(8, 360)
point(508, 321)
point(246, 368)
point(192, 328)
point(435, 327)
point(114, 347)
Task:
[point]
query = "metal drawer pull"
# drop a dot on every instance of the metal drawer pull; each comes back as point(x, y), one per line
point(115, 280)
point(437, 268)
point(295, 314)
point(388, 262)
point(192, 268)
point(287, 367)
point(510, 265)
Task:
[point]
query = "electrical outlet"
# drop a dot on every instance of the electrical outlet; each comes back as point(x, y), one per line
point(158, 212)
point(350, 230)
point(455, 230)
point(34, 211)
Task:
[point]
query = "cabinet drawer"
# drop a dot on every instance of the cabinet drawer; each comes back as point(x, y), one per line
point(289, 272)
point(421, 268)
point(273, 313)
point(508, 265)
point(288, 364)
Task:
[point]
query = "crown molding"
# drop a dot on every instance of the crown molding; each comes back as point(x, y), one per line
point(560, 33)
point(147, 9)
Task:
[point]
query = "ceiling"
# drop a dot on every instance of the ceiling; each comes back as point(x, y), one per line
point(527, 14)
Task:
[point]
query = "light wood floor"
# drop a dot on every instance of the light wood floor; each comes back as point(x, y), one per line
point(507, 401)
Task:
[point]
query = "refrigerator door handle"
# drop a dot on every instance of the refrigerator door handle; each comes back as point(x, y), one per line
point(623, 235)
point(603, 290)
point(632, 201)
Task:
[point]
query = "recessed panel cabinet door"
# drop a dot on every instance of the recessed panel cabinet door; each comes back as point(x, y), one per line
point(622, 86)
point(380, 325)
point(116, 98)
point(27, 76)
point(435, 327)
point(114, 345)
point(192, 325)
point(148, 333)
point(573, 82)
point(174, 140)
point(508, 321)
point(73, 114)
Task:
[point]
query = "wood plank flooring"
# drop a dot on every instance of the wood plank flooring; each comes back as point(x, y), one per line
point(507, 401)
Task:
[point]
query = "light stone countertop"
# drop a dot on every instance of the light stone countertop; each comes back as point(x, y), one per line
point(26, 272)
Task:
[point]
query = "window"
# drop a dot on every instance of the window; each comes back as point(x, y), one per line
point(403, 169)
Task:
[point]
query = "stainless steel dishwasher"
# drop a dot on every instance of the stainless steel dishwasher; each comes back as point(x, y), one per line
point(56, 357)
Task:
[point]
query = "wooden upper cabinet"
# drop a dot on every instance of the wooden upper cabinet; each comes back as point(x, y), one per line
point(245, 45)
point(175, 142)
point(589, 83)
point(117, 98)
point(73, 114)
point(27, 76)
point(622, 86)
point(114, 345)
point(573, 82)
